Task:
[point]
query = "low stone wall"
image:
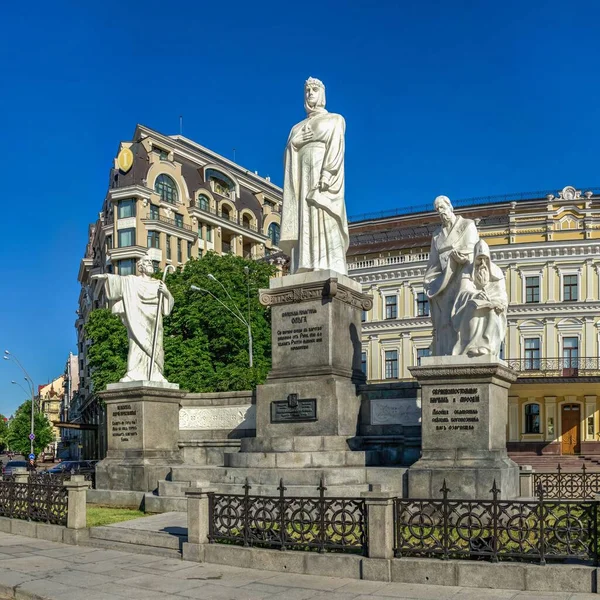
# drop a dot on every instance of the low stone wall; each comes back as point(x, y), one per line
point(212, 424)
point(43, 531)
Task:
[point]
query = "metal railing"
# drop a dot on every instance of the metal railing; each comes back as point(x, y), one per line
point(224, 216)
point(287, 522)
point(567, 484)
point(582, 366)
point(538, 530)
point(34, 502)
point(172, 222)
point(46, 478)
point(388, 260)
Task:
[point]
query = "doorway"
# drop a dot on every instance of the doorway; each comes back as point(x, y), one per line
point(571, 428)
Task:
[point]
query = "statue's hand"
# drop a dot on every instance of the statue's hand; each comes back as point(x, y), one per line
point(459, 257)
point(162, 288)
point(306, 134)
point(499, 309)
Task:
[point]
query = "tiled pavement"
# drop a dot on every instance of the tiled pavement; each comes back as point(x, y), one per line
point(35, 569)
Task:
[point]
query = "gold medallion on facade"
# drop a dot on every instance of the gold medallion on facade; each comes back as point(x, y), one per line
point(125, 159)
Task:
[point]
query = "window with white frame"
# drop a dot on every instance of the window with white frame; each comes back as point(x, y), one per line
point(391, 364)
point(391, 307)
point(570, 288)
point(570, 352)
point(126, 237)
point(363, 362)
point(422, 305)
point(532, 418)
point(421, 352)
point(153, 239)
point(532, 354)
point(165, 187)
point(126, 209)
point(532, 289)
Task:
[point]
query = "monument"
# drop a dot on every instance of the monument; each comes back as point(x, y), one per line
point(143, 408)
point(308, 409)
point(464, 384)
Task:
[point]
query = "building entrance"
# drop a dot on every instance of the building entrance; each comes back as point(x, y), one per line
point(571, 429)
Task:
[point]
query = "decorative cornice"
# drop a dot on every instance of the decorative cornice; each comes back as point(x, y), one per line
point(432, 372)
point(314, 291)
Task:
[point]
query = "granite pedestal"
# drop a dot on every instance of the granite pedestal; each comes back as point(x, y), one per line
point(143, 435)
point(464, 419)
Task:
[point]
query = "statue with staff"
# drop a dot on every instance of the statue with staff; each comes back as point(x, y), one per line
point(141, 301)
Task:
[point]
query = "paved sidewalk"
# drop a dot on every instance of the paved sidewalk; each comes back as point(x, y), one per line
point(35, 569)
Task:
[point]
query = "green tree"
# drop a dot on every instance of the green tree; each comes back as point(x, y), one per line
point(107, 354)
point(20, 428)
point(206, 347)
point(3, 431)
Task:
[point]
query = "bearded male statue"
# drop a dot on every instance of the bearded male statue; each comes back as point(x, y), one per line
point(479, 313)
point(451, 253)
point(314, 228)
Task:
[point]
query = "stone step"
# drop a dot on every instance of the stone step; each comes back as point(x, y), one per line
point(162, 504)
point(172, 488)
point(307, 443)
point(137, 537)
point(296, 460)
point(133, 548)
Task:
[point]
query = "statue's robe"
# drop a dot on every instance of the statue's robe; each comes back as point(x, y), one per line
point(481, 330)
point(135, 300)
point(443, 277)
point(314, 227)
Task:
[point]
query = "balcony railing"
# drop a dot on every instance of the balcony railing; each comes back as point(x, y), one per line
point(222, 215)
point(172, 222)
point(557, 367)
point(389, 260)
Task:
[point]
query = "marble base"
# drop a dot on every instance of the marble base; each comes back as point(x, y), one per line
point(464, 418)
point(142, 434)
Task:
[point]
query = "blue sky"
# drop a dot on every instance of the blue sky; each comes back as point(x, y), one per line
point(465, 98)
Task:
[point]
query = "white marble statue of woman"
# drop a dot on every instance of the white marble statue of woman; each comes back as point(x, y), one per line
point(314, 228)
point(135, 299)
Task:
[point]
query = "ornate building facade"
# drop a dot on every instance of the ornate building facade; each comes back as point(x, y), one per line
point(548, 245)
point(175, 199)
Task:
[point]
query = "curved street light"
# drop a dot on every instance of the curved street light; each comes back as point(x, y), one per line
point(9, 356)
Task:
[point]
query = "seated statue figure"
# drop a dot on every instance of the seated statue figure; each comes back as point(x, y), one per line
point(479, 312)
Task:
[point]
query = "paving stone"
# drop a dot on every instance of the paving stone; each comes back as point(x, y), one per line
point(419, 592)
point(162, 584)
point(214, 592)
point(82, 579)
point(296, 594)
point(33, 564)
point(313, 582)
point(118, 591)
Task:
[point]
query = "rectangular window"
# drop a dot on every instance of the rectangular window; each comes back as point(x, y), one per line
point(189, 250)
point(363, 362)
point(209, 233)
point(156, 265)
point(179, 256)
point(126, 209)
point(200, 231)
point(178, 220)
point(421, 352)
point(422, 305)
point(109, 242)
point(532, 289)
point(126, 237)
point(363, 317)
point(391, 364)
point(154, 212)
point(168, 244)
point(570, 288)
point(532, 418)
point(532, 354)
point(391, 307)
point(127, 266)
point(153, 239)
point(162, 154)
point(570, 353)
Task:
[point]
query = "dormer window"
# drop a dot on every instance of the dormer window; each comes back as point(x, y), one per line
point(273, 233)
point(165, 187)
point(220, 183)
point(203, 202)
point(162, 154)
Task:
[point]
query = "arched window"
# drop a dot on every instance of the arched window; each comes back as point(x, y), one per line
point(165, 187)
point(203, 202)
point(532, 418)
point(273, 233)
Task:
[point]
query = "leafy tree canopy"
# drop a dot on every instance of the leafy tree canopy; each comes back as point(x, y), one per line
point(206, 344)
point(3, 431)
point(20, 427)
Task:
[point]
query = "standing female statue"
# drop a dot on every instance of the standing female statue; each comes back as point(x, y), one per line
point(314, 228)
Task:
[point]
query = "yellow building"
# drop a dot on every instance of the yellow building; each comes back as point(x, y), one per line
point(50, 401)
point(548, 246)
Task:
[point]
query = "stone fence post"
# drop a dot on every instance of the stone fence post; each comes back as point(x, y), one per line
point(198, 516)
point(21, 475)
point(77, 488)
point(526, 482)
point(380, 523)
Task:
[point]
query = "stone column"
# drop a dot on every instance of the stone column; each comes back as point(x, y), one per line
point(512, 343)
point(526, 481)
point(198, 516)
point(513, 418)
point(551, 281)
point(550, 428)
point(380, 523)
point(589, 281)
point(590, 411)
point(550, 335)
point(77, 488)
point(374, 368)
point(409, 301)
point(21, 475)
point(513, 283)
point(589, 337)
point(406, 356)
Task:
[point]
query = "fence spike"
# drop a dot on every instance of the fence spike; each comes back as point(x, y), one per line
point(495, 490)
point(444, 489)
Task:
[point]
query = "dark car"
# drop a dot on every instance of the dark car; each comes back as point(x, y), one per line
point(74, 466)
point(13, 464)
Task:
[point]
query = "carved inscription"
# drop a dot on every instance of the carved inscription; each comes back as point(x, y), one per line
point(455, 409)
point(297, 332)
point(124, 422)
point(294, 410)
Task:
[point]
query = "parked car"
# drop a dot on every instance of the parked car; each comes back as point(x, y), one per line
point(13, 464)
point(78, 466)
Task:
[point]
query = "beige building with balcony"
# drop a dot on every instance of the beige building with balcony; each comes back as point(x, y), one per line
point(176, 200)
point(548, 246)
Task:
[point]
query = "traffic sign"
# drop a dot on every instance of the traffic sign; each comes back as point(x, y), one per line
point(31, 437)
point(32, 457)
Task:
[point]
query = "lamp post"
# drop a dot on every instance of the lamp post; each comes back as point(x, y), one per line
point(238, 315)
point(9, 356)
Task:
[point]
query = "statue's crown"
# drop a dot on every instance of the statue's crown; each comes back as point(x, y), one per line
point(313, 81)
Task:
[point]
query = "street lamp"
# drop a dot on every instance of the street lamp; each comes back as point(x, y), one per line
point(9, 356)
point(238, 315)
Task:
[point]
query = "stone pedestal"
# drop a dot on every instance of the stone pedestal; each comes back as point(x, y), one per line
point(143, 435)
point(311, 389)
point(464, 420)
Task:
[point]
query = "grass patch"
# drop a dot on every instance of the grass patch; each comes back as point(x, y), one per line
point(105, 515)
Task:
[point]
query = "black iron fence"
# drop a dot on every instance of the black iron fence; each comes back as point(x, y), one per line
point(538, 530)
point(45, 502)
point(288, 522)
point(47, 478)
point(567, 484)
